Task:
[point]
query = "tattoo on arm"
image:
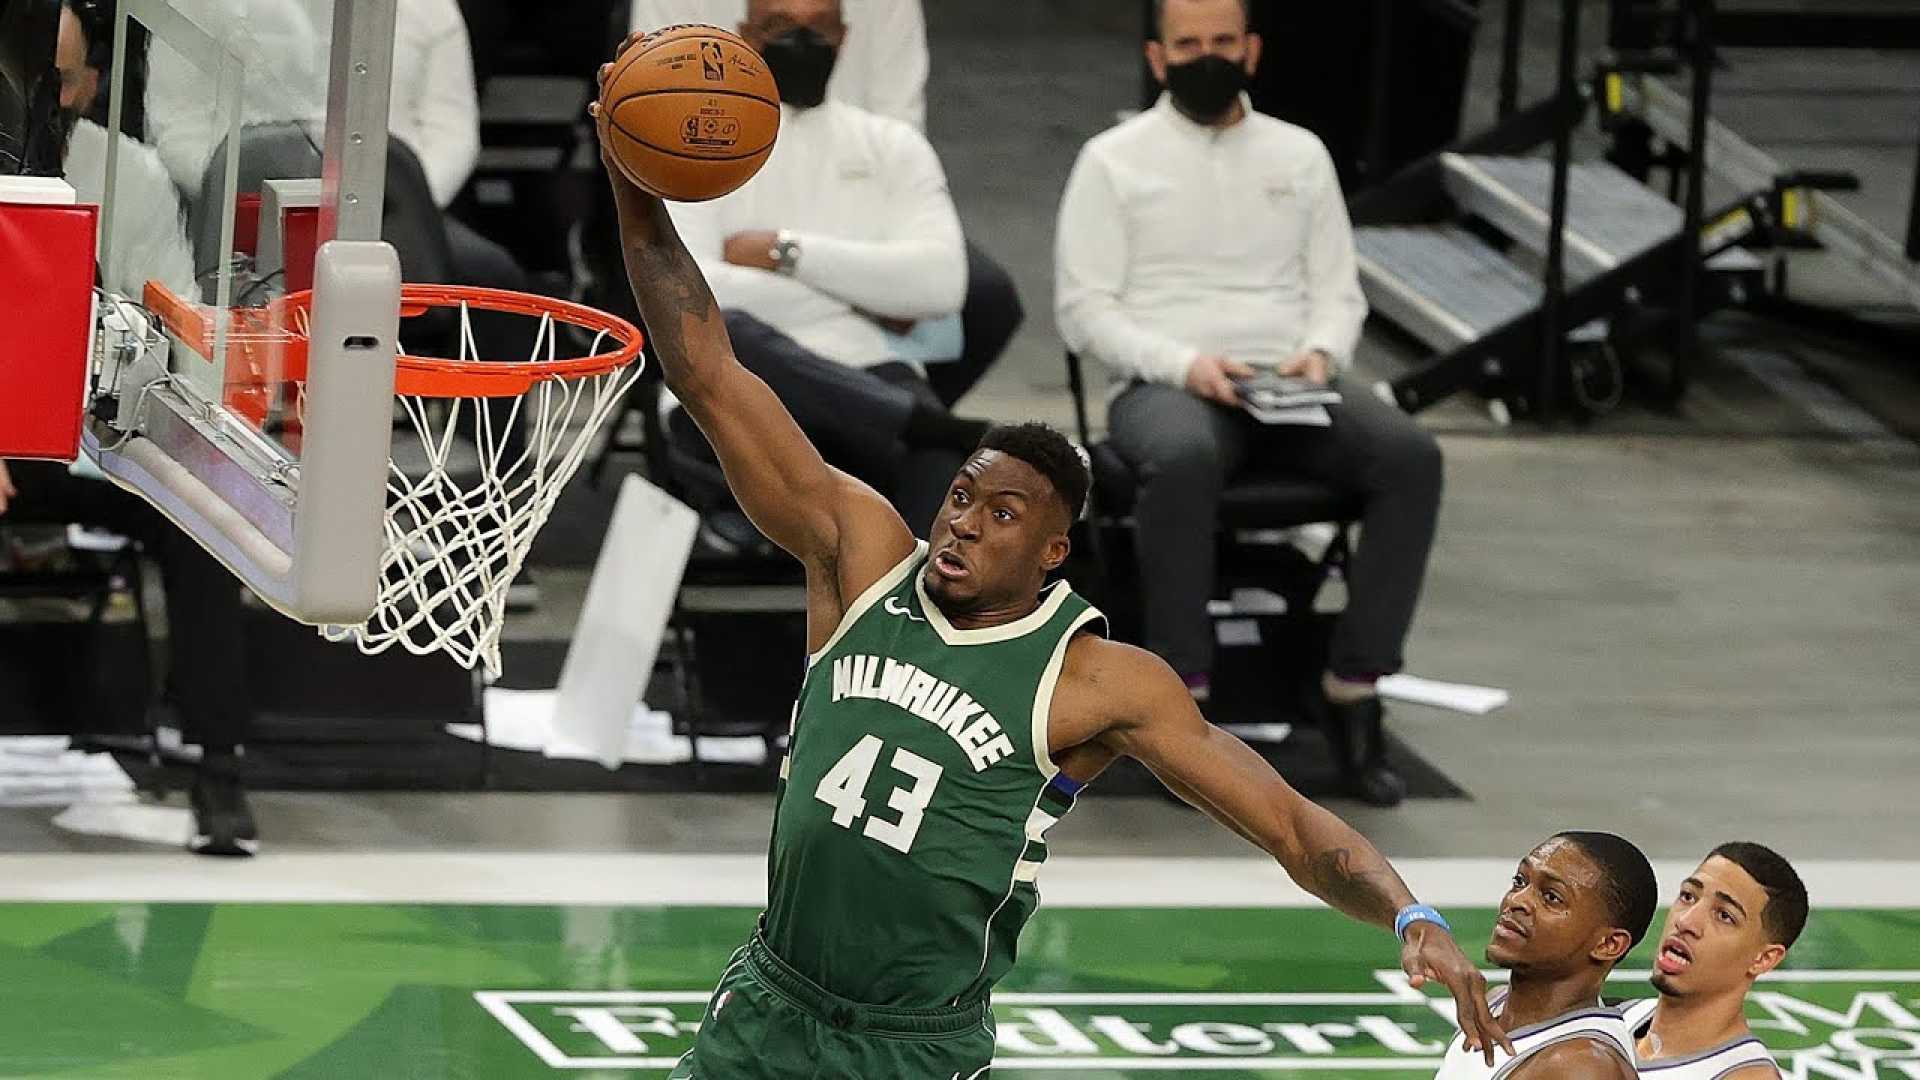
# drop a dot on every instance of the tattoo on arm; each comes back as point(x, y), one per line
point(669, 290)
point(1364, 887)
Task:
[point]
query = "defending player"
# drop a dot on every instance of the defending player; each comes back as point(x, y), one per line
point(1733, 922)
point(953, 707)
point(1578, 904)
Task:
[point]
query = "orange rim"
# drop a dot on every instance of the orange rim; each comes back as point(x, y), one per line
point(437, 377)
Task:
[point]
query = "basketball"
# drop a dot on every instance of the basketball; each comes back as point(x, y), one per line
point(689, 113)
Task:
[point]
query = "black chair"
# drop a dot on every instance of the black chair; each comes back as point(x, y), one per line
point(1251, 504)
point(277, 151)
point(286, 151)
point(1248, 504)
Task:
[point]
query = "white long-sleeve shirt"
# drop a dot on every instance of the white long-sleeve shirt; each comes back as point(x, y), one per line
point(149, 241)
point(1177, 240)
point(867, 200)
point(284, 45)
point(284, 79)
point(435, 108)
point(883, 64)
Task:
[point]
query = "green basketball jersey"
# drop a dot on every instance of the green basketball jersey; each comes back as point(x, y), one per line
point(916, 795)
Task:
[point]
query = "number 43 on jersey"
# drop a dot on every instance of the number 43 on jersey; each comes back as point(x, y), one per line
point(845, 785)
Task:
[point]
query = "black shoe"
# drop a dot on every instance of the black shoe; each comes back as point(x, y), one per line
point(1357, 736)
point(222, 820)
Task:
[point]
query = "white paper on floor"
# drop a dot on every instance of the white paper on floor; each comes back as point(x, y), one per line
point(629, 600)
point(145, 822)
point(1460, 697)
point(524, 720)
point(41, 770)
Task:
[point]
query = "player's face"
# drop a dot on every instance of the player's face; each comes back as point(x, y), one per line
point(1554, 914)
point(1713, 941)
point(1001, 531)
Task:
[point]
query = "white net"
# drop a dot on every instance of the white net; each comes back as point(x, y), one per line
point(471, 482)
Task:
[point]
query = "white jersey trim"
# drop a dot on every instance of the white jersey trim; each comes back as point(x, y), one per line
point(1013, 883)
point(1043, 697)
point(865, 601)
point(1055, 595)
point(1709, 1064)
point(1596, 1023)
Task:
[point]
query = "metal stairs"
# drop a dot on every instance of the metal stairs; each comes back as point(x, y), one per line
point(1470, 288)
point(1611, 217)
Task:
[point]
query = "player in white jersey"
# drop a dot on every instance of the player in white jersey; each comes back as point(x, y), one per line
point(1578, 903)
point(1733, 922)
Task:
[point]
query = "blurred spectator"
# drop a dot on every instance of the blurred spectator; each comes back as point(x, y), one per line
point(149, 241)
point(283, 79)
point(842, 243)
point(436, 111)
point(436, 106)
point(1197, 242)
point(882, 68)
point(206, 678)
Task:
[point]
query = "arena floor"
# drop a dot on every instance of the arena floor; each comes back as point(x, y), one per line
point(1136, 968)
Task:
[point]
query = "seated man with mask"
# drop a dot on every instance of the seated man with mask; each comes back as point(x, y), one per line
point(1200, 241)
point(844, 237)
point(882, 66)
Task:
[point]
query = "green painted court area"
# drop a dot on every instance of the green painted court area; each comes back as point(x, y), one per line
point(418, 991)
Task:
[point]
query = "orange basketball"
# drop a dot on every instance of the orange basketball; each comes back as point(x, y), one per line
point(689, 112)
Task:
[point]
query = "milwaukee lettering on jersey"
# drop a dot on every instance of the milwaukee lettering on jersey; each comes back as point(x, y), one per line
point(945, 706)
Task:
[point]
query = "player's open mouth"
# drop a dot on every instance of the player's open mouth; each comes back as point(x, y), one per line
point(1674, 957)
point(950, 566)
point(1508, 928)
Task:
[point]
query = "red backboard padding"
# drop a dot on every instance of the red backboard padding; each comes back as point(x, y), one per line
point(46, 320)
point(300, 239)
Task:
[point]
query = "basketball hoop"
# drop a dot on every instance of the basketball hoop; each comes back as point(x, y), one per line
point(462, 506)
point(458, 531)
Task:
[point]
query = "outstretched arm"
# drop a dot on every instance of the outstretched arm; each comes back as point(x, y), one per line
point(1138, 707)
point(844, 532)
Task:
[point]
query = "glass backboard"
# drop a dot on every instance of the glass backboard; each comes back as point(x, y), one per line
point(240, 138)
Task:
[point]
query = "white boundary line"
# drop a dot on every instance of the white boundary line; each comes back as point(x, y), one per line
point(1395, 994)
point(622, 879)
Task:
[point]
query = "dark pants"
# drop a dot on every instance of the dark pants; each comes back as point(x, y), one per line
point(856, 416)
point(206, 677)
point(988, 319)
point(1184, 450)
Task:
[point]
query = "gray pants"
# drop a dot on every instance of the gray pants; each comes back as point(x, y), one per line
point(1184, 450)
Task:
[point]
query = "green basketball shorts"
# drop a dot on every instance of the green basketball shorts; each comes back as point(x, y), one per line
point(767, 1021)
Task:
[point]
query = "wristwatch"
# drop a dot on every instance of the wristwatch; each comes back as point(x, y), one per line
point(785, 252)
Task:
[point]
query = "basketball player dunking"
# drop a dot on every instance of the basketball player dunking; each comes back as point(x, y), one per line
point(953, 706)
point(1733, 922)
point(1578, 904)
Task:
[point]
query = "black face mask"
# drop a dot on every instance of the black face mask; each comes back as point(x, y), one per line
point(802, 62)
point(1206, 88)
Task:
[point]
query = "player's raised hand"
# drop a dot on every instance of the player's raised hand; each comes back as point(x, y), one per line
point(1430, 953)
point(606, 69)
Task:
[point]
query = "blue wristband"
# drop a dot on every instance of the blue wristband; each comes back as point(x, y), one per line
point(1414, 913)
